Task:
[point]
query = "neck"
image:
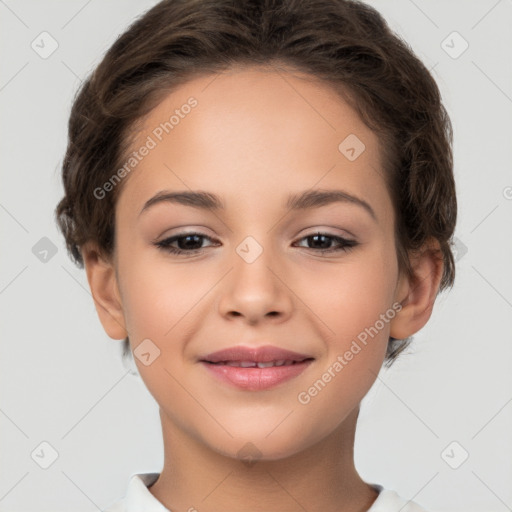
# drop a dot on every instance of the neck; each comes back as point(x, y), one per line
point(321, 477)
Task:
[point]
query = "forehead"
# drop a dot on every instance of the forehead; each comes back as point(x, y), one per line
point(254, 133)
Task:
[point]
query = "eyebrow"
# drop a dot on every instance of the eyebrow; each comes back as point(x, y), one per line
point(301, 201)
point(318, 198)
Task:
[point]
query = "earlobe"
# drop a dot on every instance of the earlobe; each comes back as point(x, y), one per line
point(418, 293)
point(102, 280)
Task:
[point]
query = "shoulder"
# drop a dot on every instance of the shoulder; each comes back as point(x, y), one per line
point(390, 501)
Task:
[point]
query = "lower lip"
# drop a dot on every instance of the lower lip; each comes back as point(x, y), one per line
point(256, 379)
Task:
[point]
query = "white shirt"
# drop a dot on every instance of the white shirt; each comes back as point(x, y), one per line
point(139, 499)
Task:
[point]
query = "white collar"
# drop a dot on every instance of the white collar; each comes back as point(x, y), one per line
point(138, 498)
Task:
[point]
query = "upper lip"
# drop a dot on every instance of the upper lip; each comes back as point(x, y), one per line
point(263, 354)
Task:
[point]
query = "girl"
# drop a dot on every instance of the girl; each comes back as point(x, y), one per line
point(262, 195)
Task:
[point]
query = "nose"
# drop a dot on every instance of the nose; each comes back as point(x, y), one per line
point(256, 290)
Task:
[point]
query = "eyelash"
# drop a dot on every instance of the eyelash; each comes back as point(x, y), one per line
point(165, 245)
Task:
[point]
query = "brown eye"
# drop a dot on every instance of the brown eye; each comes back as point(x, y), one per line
point(322, 242)
point(187, 243)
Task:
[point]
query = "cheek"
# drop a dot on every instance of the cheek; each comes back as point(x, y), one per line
point(357, 311)
point(351, 295)
point(356, 303)
point(143, 307)
point(156, 293)
point(153, 309)
point(346, 296)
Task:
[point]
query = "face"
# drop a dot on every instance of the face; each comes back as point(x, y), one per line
point(316, 277)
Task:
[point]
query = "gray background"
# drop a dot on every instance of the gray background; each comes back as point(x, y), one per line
point(63, 379)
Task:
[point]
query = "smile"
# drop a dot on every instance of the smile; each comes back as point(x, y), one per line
point(254, 364)
point(255, 376)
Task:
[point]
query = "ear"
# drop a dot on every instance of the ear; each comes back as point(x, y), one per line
point(104, 288)
point(418, 293)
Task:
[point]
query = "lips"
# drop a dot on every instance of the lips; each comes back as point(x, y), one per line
point(247, 357)
point(255, 369)
point(254, 364)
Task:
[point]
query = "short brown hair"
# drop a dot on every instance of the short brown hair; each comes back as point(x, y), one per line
point(345, 43)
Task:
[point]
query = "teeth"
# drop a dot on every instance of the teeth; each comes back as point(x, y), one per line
point(266, 365)
point(243, 364)
point(253, 364)
point(247, 364)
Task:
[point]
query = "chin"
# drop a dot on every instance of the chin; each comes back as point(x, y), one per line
point(251, 445)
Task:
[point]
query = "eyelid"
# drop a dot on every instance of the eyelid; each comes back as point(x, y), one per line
point(316, 231)
point(344, 245)
point(347, 242)
point(188, 230)
point(183, 234)
point(165, 242)
point(328, 230)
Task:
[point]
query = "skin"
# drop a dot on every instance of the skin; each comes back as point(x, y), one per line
point(256, 136)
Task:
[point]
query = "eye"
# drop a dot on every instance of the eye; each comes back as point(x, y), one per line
point(190, 244)
point(187, 243)
point(322, 242)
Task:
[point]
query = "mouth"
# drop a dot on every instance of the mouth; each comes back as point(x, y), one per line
point(247, 357)
point(255, 369)
point(262, 364)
